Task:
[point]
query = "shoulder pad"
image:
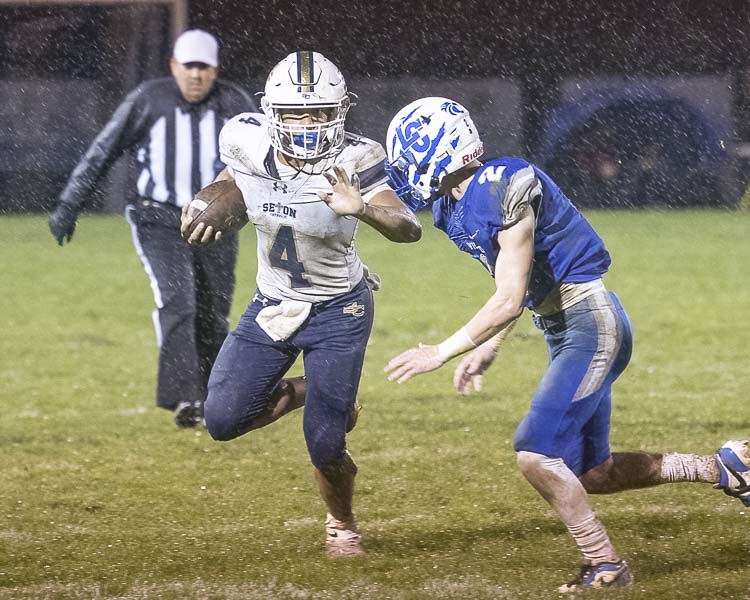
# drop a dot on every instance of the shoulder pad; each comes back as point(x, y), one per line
point(516, 185)
point(242, 140)
point(500, 169)
point(363, 152)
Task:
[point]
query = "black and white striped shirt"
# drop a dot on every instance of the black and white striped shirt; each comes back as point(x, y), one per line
point(175, 142)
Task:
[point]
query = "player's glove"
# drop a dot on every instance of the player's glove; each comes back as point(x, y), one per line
point(62, 222)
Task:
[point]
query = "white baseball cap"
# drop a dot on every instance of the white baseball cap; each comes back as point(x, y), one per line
point(196, 45)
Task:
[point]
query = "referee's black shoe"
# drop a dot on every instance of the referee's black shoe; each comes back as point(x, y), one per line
point(188, 414)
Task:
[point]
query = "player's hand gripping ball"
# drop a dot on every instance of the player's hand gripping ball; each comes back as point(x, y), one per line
point(216, 210)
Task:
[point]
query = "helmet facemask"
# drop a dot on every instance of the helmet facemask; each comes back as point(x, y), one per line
point(308, 141)
point(402, 171)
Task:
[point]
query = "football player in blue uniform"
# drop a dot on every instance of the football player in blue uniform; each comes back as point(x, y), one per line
point(544, 256)
point(307, 185)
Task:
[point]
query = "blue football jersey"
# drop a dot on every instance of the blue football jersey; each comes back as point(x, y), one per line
point(566, 247)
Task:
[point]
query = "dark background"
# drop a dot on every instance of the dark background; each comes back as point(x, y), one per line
point(65, 68)
point(537, 42)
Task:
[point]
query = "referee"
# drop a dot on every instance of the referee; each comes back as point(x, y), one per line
point(171, 125)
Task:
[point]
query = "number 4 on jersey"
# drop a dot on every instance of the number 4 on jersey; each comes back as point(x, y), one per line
point(283, 255)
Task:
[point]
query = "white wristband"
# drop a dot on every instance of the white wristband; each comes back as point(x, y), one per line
point(456, 344)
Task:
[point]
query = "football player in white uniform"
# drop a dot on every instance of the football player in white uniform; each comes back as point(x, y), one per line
point(307, 184)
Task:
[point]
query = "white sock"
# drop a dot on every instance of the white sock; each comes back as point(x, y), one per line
point(333, 523)
point(689, 467)
point(593, 541)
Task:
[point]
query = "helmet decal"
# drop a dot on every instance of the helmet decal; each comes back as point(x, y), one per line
point(452, 108)
point(427, 140)
point(305, 62)
point(433, 146)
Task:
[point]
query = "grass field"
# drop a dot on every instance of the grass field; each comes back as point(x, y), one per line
point(101, 497)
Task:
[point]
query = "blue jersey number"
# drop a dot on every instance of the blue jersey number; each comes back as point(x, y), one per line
point(283, 256)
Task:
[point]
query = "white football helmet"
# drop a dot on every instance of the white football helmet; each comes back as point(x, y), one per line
point(427, 140)
point(306, 80)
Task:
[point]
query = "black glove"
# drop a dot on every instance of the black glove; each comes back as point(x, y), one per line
point(62, 222)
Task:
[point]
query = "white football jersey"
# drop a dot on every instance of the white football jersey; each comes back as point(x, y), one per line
point(305, 250)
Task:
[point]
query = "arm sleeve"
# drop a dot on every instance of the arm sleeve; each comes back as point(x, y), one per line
point(119, 134)
point(524, 186)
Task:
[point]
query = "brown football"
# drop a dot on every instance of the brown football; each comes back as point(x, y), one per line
point(219, 205)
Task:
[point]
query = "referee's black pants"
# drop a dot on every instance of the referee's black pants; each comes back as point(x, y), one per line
point(193, 288)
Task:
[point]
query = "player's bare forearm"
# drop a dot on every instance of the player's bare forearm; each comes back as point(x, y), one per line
point(504, 307)
point(384, 212)
point(499, 338)
point(396, 223)
point(512, 273)
point(498, 314)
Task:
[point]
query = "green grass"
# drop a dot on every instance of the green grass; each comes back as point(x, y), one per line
point(101, 497)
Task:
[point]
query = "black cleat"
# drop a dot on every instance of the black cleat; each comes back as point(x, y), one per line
point(188, 414)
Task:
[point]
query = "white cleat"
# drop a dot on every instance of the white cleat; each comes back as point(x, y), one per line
point(733, 461)
point(342, 538)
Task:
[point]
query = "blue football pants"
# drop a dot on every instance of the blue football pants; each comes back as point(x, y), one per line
point(589, 346)
point(250, 365)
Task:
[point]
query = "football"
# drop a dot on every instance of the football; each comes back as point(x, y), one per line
point(219, 205)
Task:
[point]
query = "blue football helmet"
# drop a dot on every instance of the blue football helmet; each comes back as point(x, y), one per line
point(427, 140)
